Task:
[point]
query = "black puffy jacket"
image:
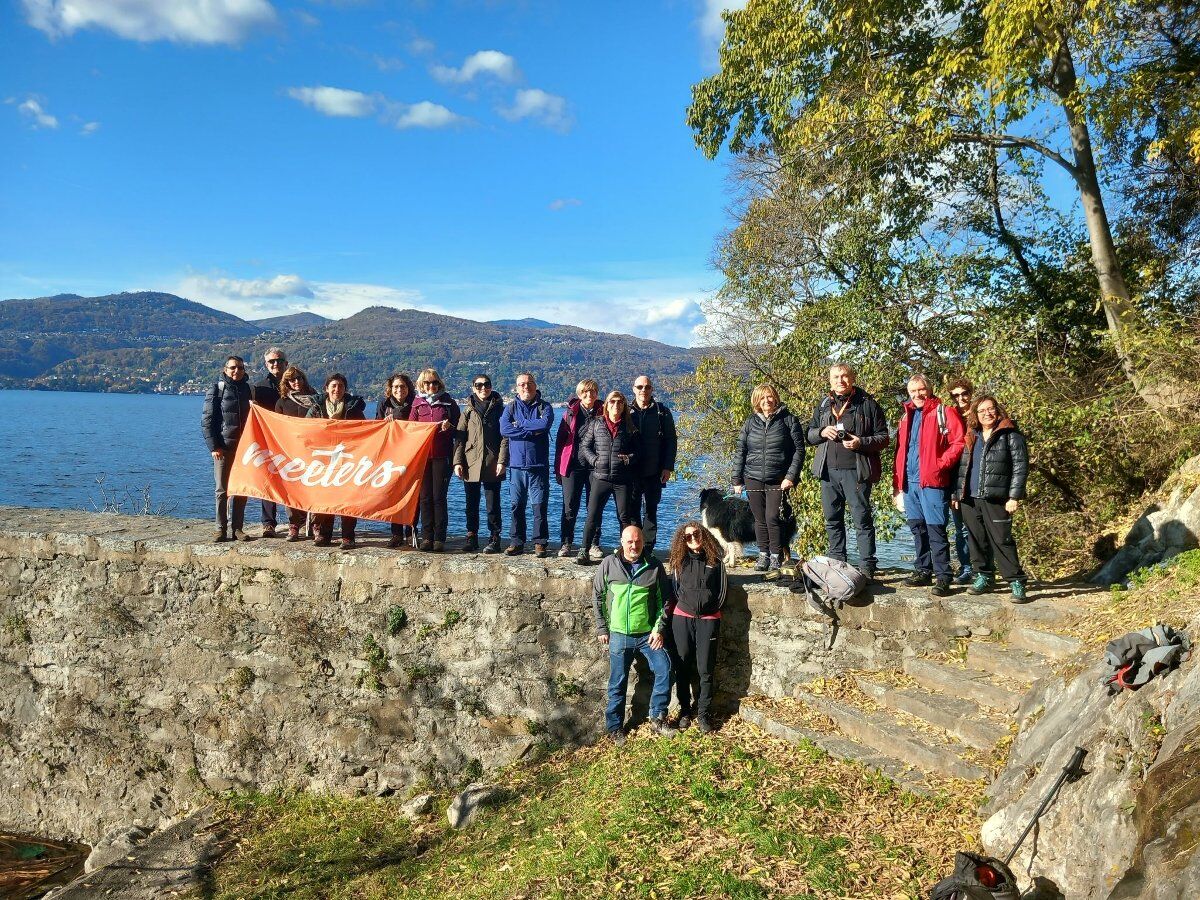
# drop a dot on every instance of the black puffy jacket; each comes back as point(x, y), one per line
point(770, 451)
point(657, 442)
point(354, 407)
point(226, 406)
point(601, 451)
point(1005, 465)
point(389, 408)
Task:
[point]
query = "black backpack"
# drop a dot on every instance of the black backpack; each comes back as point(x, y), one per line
point(977, 877)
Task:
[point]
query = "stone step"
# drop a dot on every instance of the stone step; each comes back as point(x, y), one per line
point(1050, 645)
point(838, 746)
point(960, 718)
point(1024, 666)
point(961, 683)
point(880, 731)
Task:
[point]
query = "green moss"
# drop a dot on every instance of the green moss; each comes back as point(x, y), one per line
point(17, 628)
point(397, 619)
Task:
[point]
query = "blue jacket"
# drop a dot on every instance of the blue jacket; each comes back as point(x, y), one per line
point(527, 427)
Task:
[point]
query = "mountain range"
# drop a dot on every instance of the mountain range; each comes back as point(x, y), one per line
point(152, 342)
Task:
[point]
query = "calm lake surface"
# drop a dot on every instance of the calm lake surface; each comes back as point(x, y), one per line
point(145, 452)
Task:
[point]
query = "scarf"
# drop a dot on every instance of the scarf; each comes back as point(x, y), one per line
point(335, 410)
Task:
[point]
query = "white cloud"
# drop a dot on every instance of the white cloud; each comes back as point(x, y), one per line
point(492, 63)
point(420, 46)
point(332, 101)
point(423, 115)
point(186, 21)
point(260, 298)
point(89, 128)
point(560, 203)
point(31, 108)
point(542, 107)
point(712, 26)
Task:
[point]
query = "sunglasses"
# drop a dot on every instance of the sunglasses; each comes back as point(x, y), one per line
point(958, 395)
point(235, 368)
point(276, 362)
point(690, 536)
point(482, 384)
point(641, 387)
point(432, 381)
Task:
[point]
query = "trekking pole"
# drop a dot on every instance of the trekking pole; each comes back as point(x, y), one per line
point(1072, 771)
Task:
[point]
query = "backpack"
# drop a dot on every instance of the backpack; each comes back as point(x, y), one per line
point(977, 877)
point(1135, 658)
point(829, 583)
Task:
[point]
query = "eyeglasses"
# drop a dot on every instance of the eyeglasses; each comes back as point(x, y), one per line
point(614, 402)
point(641, 387)
point(690, 536)
point(985, 411)
point(235, 368)
point(481, 384)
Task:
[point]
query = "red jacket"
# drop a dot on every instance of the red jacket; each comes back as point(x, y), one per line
point(939, 453)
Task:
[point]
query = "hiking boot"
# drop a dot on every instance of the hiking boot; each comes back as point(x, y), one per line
point(397, 541)
point(268, 531)
point(426, 546)
point(438, 546)
point(1018, 592)
point(472, 544)
point(983, 584)
point(564, 551)
point(493, 546)
point(219, 536)
point(763, 564)
point(596, 553)
point(868, 572)
point(348, 544)
point(239, 535)
point(685, 722)
point(941, 588)
point(514, 549)
point(965, 576)
point(539, 550)
point(664, 728)
point(617, 737)
point(704, 725)
point(919, 579)
point(583, 559)
point(293, 534)
point(774, 568)
point(323, 540)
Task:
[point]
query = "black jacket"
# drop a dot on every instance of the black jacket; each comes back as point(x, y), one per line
point(601, 451)
point(388, 408)
point(656, 439)
point(297, 405)
point(699, 588)
point(355, 408)
point(770, 451)
point(226, 406)
point(266, 391)
point(1005, 466)
point(864, 419)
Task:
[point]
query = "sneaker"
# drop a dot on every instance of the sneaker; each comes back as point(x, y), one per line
point(983, 584)
point(763, 564)
point(664, 728)
point(583, 559)
point(564, 551)
point(268, 531)
point(425, 546)
point(397, 542)
point(472, 544)
point(322, 541)
point(1018, 592)
point(348, 543)
point(514, 549)
point(539, 550)
point(493, 546)
point(596, 553)
point(704, 725)
point(685, 722)
point(293, 533)
point(919, 579)
point(964, 576)
point(941, 588)
point(617, 737)
point(438, 547)
point(239, 535)
point(220, 537)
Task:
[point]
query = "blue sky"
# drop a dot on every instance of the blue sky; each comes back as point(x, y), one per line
point(483, 158)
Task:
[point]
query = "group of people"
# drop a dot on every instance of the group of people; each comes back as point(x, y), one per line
point(964, 462)
point(615, 448)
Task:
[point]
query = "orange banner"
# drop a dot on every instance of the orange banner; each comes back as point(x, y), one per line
point(365, 469)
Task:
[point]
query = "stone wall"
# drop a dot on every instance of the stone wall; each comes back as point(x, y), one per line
point(143, 664)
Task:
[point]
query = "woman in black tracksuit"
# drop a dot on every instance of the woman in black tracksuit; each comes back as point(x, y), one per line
point(609, 449)
point(769, 456)
point(698, 577)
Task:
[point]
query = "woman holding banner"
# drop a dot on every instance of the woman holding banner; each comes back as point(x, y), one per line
point(296, 398)
point(337, 403)
point(433, 404)
point(397, 404)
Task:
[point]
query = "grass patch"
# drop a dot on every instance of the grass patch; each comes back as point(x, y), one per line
point(733, 814)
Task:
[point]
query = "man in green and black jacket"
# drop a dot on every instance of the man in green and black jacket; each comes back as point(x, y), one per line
point(629, 598)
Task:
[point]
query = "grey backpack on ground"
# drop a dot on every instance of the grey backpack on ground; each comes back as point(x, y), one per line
point(1135, 658)
point(829, 583)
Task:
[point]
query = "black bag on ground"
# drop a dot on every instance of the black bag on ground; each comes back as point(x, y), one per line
point(977, 877)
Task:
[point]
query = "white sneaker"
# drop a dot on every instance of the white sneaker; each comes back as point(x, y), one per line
point(595, 554)
point(564, 551)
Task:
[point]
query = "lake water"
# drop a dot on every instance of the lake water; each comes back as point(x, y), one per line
point(145, 453)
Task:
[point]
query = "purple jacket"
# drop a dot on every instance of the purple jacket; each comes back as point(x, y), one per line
point(571, 430)
point(439, 408)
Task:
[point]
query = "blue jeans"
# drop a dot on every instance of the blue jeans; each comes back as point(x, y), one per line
point(961, 550)
point(532, 486)
point(927, 511)
point(622, 648)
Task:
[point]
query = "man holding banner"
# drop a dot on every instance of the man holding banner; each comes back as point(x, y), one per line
point(226, 408)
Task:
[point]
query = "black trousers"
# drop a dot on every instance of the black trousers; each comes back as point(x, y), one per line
point(598, 494)
point(324, 526)
point(272, 512)
point(765, 501)
point(990, 538)
point(696, 653)
point(491, 490)
point(650, 489)
point(574, 485)
point(839, 488)
point(434, 488)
